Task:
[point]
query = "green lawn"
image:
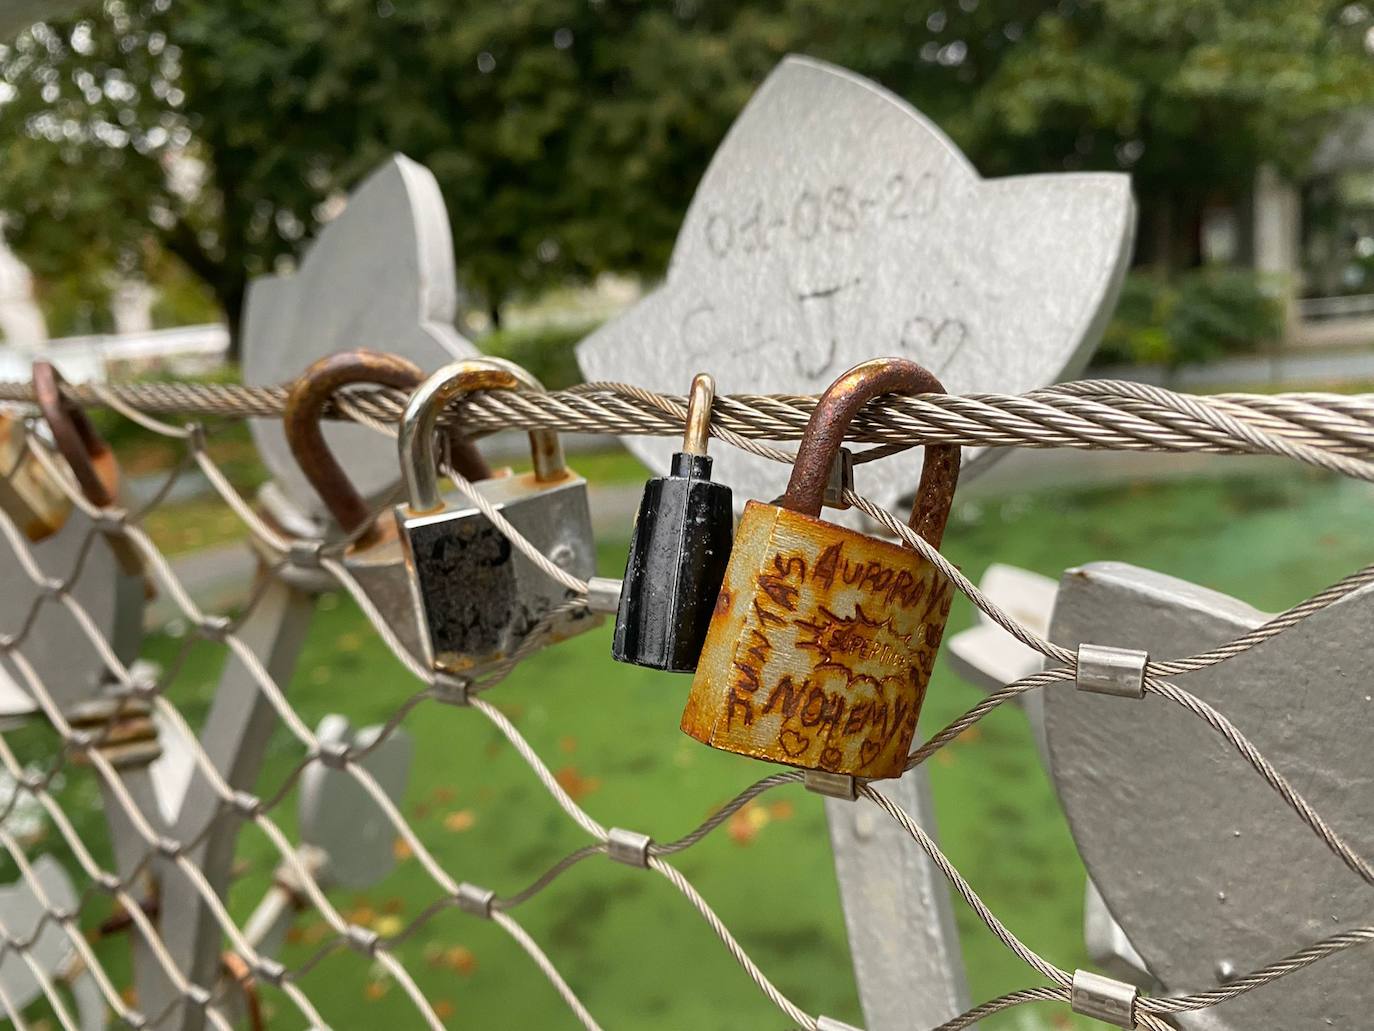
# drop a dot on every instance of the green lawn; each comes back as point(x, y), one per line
point(636, 952)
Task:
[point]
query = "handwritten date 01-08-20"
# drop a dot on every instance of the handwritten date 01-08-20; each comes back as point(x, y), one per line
point(820, 649)
point(839, 209)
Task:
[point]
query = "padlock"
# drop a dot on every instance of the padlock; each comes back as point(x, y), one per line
point(480, 595)
point(89, 458)
point(375, 559)
point(823, 639)
point(678, 553)
point(28, 494)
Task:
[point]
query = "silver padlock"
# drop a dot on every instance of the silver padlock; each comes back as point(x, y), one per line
point(375, 559)
point(478, 594)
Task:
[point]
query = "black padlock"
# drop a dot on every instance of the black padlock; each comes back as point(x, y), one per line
point(678, 554)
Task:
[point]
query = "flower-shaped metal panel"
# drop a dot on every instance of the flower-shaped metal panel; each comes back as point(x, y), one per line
point(381, 275)
point(836, 224)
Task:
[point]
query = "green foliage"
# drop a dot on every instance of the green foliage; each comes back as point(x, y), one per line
point(1196, 316)
point(568, 136)
point(1189, 96)
point(75, 303)
point(548, 353)
point(182, 298)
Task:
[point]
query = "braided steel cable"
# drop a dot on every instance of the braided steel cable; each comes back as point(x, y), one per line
point(1327, 431)
point(1330, 431)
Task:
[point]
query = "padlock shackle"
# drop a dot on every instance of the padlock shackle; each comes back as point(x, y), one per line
point(87, 454)
point(301, 422)
point(415, 442)
point(825, 432)
point(700, 400)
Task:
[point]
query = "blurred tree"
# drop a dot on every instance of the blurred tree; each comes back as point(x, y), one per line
point(1189, 96)
point(568, 135)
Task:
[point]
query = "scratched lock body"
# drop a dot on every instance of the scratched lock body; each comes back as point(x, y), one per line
point(479, 595)
point(823, 639)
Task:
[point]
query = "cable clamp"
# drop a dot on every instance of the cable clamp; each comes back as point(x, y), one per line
point(475, 900)
point(832, 785)
point(1111, 671)
point(628, 847)
point(603, 595)
point(1103, 998)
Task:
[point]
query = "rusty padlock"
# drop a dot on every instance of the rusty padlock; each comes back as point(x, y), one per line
point(376, 559)
point(823, 639)
point(89, 457)
point(28, 494)
point(480, 595)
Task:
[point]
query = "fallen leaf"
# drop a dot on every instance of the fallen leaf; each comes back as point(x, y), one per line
point(349, 642)
point(388, 926)
point(375, 990)
point(443, 793)
point(460, 959)
point(576, 785)
point(361, 915)
point(460, 820)
point(400, 848)
point(316, 932)
point(781, 810)
point(740, 827)
point(443, 1009)
point(567, 744)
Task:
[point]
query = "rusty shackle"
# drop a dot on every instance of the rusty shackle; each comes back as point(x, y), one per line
point(86, 453)
point(825, 431)
point(301, 421)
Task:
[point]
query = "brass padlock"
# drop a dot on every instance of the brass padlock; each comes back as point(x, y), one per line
point(823, 639)
point(376, 559)
point(89, 458)
point(28, 494)
point(480, 596)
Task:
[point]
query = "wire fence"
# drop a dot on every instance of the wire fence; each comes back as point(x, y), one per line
point(1328, 431)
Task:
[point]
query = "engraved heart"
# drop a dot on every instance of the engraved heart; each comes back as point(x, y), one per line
point(1241, 874)
point(837, 224)
point(934, 342)
point(382, 271)
point(792, 743)
point(868, 751)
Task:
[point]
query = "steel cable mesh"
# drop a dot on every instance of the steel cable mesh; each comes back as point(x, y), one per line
point(1328, 431)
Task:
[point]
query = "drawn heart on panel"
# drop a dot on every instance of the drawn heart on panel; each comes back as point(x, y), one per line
point(836, 224)
point(1206, 869)
point(381, 276)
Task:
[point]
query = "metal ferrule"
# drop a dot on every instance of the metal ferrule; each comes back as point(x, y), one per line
point(1104, 998)
point(1113, 671)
